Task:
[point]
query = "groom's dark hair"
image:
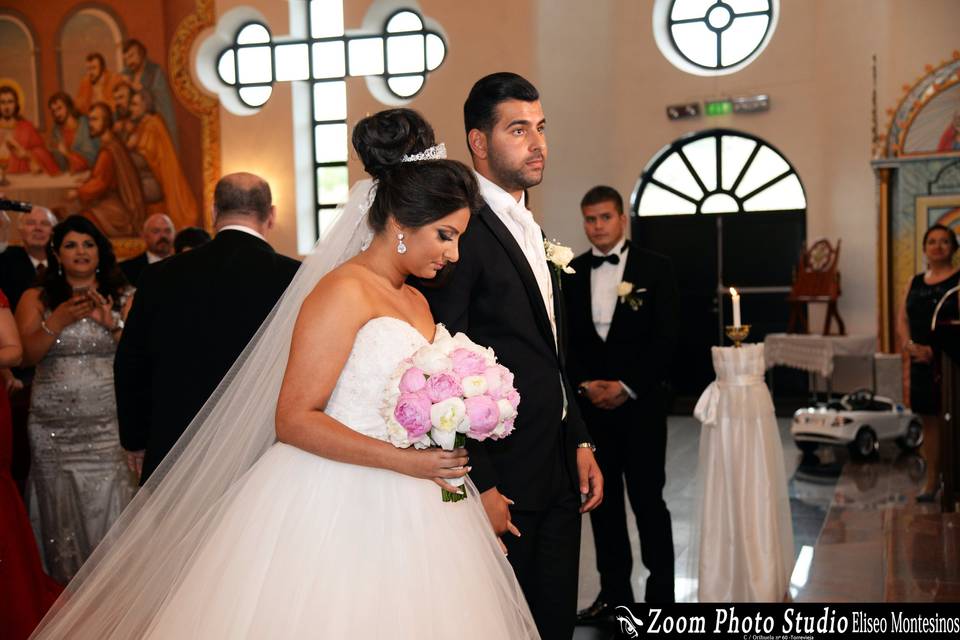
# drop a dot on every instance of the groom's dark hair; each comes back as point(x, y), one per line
point(480, 108)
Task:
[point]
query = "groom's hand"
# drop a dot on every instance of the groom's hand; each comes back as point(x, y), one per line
point(591, 480)
point(497, 507)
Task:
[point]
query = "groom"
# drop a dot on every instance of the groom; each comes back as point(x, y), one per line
point(504, 294)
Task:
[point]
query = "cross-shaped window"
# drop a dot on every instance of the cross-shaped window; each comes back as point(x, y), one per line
point(395, 58)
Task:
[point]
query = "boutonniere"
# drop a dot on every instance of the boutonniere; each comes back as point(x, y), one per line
point(630, 295)
point(559, 256)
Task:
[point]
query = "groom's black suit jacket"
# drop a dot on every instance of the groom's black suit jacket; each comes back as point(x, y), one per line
point(491, 295)
point(192, 315)
point(640, 344)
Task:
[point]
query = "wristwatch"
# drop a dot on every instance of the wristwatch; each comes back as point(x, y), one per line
point(587, 445)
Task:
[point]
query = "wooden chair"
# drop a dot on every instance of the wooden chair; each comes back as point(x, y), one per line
point(816, 279)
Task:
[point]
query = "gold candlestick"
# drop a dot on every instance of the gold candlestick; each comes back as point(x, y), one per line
point(738, 333)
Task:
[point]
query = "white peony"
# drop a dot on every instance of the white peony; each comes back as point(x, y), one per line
point(447, 415)
point(506, 411)
point(445, 439)
point(431, 359)
point(473, 386)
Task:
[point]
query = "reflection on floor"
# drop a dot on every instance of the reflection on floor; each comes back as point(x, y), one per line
point(858, 532)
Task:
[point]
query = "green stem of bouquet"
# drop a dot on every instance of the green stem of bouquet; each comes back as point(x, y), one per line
point(448, 496)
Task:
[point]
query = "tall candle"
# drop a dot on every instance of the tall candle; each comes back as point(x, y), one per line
point(736, 306)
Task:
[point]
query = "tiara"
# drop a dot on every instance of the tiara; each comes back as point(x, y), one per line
point(436, 152)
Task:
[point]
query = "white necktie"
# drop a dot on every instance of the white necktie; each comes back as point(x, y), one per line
point(533, 249)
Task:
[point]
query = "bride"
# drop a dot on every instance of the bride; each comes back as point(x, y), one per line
point(283, 512)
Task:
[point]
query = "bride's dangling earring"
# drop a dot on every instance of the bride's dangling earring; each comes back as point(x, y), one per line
point(401, 248)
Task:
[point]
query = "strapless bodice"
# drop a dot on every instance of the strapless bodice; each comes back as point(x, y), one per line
point(381, 344)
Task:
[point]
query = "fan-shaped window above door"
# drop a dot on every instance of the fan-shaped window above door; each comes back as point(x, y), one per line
point(718, 171)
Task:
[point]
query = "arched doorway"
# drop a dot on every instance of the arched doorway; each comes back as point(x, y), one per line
point(729, 209)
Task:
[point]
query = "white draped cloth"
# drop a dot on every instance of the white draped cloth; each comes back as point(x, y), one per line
point(746, 535)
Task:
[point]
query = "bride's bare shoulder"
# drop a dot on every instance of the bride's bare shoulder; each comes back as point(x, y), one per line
point(341, 291)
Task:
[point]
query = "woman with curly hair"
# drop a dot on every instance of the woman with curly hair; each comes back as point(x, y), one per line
point(79, 481)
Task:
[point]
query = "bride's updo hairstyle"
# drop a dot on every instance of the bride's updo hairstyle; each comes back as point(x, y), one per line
point(414, 193)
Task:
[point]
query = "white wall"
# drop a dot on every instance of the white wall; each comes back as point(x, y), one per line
point(605, 86)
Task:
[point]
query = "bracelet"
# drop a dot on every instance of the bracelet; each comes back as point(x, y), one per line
point(46, 329)
point(587, 445)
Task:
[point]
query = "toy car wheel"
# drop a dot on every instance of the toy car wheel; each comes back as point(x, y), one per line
point(913, 438)
point(865, 444)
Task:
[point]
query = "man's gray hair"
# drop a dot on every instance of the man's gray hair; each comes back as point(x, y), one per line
point(247, 196)
point(50, 216)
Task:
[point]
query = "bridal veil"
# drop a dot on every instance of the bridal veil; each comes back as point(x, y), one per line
point(128, 577)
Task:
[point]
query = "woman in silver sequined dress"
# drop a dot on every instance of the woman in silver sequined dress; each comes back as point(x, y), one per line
point(79, 481)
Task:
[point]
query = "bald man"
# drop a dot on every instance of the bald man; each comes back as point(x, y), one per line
point(192, 316)
point(157, 233)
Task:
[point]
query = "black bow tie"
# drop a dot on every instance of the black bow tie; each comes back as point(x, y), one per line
point(596, 261)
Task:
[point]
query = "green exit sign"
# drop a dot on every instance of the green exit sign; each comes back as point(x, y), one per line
point(718, 107)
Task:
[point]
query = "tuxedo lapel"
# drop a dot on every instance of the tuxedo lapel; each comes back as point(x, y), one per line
point(520, 263)
point(621, 310)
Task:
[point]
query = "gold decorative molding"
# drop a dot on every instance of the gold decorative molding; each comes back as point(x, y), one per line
point(915, 96)
point(205, 107)
point(886, 309)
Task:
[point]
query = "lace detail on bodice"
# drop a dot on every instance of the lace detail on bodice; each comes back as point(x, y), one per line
point(379, 347)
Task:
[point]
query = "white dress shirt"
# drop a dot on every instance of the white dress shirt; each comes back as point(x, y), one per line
point(528, 234)
point(36, 263)
point(604, 282)
point(240, 227)
point(152, 257)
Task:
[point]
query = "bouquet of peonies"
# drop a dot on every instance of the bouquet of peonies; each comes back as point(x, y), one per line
point(447, 391)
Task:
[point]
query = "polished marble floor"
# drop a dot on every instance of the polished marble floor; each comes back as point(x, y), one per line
point(859, 534)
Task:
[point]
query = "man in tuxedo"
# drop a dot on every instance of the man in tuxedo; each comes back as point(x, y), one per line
point(157, 233)
point(622, 307)
point(21, 267)
point(191, 317)
point(505, 295)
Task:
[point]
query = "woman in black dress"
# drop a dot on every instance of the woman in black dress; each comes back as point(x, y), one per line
point(925, 291)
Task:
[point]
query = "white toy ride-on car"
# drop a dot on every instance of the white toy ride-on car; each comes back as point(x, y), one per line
point(859, 420)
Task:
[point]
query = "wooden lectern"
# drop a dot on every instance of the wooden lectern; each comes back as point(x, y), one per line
point(816, 279)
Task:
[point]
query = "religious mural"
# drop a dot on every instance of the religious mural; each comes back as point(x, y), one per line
point(88, 121)
point(936, 128)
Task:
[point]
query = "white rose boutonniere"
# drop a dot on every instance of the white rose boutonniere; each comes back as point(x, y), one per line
point(630, 295)
point(559, 256)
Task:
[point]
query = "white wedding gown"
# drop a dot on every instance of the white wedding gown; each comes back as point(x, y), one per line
point(313, 548)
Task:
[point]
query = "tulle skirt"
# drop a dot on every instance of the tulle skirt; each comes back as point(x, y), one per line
point(312, 548)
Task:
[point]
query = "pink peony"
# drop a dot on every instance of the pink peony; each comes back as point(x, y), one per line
point(467, 363)
point(413, 380)
point(413, 414)
point(442, 386)
point(484, 416)
point(499, 380)
point(513, 397)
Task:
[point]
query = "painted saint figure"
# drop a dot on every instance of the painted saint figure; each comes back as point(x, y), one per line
point(950, 140)
point(143, 73)
point(97, 85)
point(23, 147)
point(74, 150)
point(112, 197)
point(152, 141)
